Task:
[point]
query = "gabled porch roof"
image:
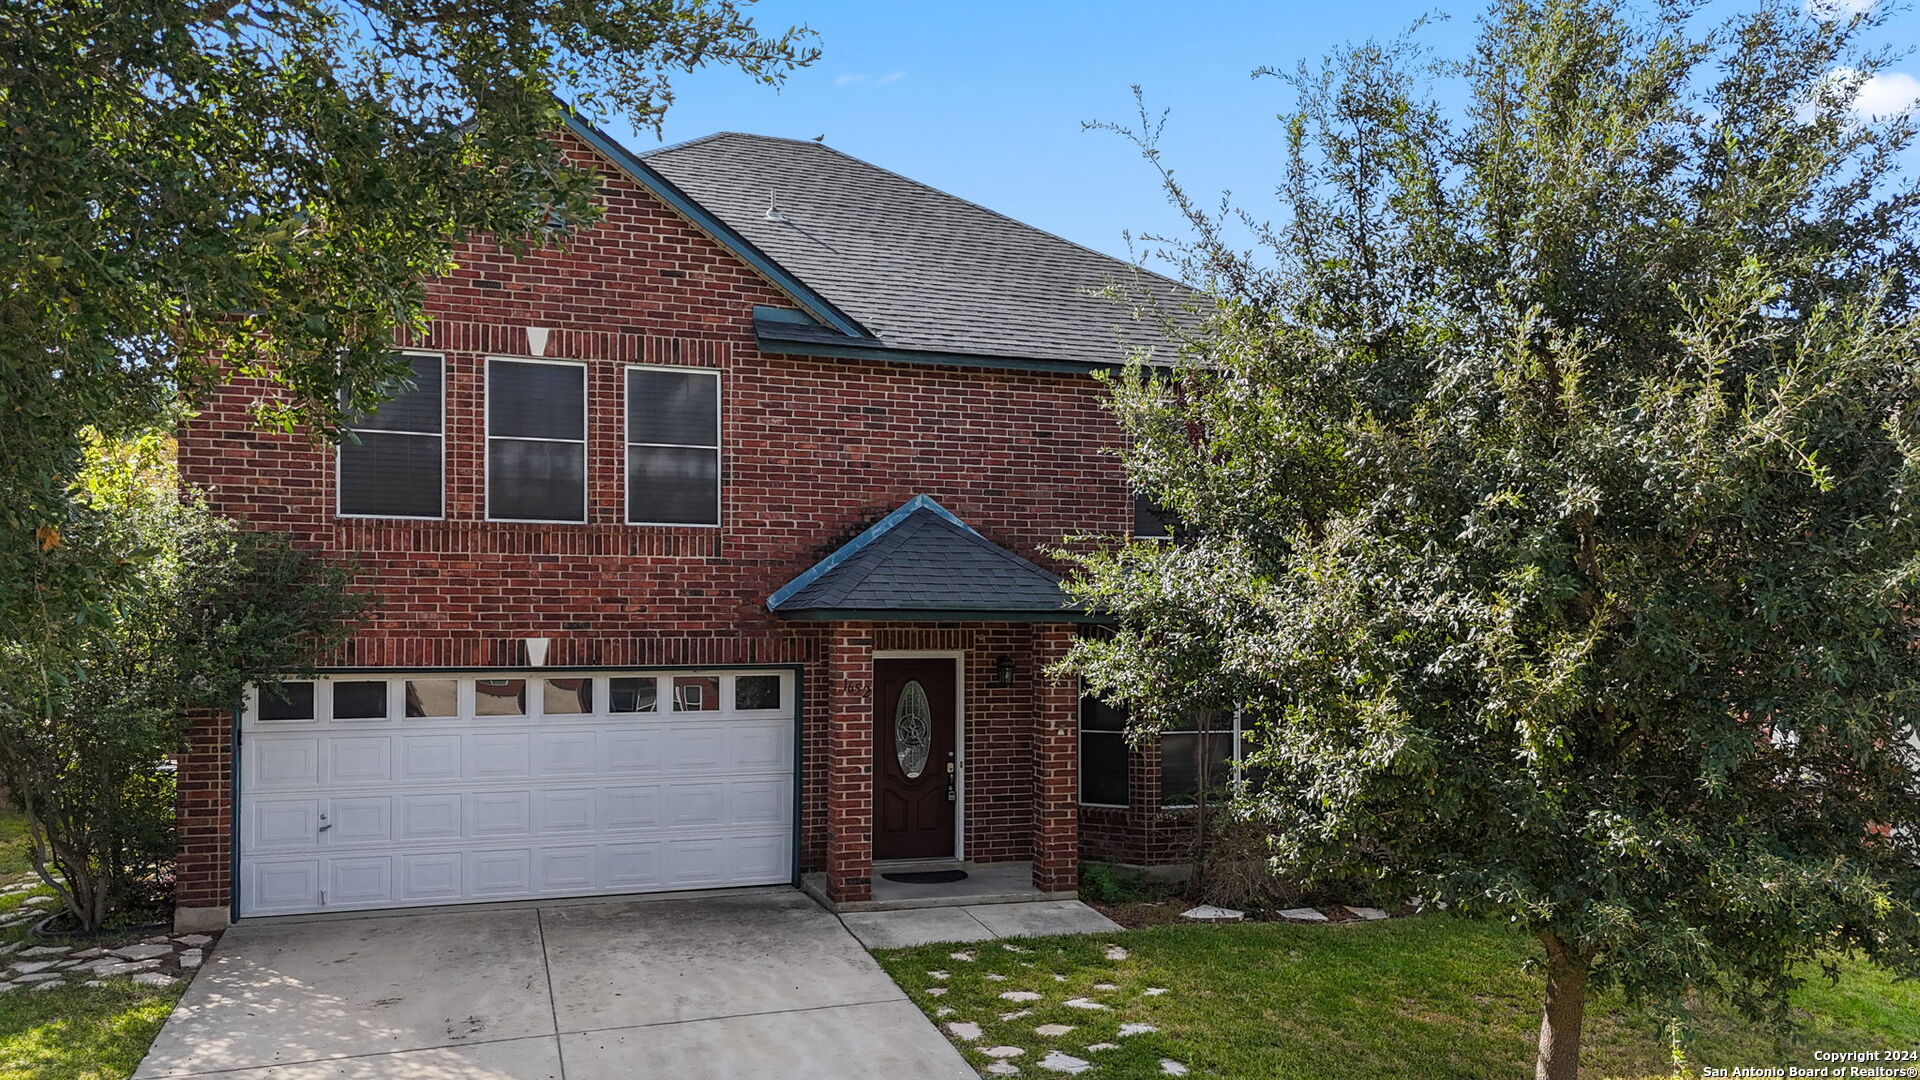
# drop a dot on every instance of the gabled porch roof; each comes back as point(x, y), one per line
point(923, 564)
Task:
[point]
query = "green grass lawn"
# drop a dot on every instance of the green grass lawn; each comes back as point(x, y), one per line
point(76, 1032)
point(1427, 997)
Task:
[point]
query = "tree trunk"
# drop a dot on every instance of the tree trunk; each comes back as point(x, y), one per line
point(1566, 1007)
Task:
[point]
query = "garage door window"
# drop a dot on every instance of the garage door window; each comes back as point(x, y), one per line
point(286, 701)
point(568, 697)
point(432, 698)
point(695, 694)
point(633, 695)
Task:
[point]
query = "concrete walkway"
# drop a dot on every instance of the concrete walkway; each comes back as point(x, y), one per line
point(736, 984)
point(974, 922)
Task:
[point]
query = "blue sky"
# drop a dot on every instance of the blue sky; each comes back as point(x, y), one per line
point(986, 99)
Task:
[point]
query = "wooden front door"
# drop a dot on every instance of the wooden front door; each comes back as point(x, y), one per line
point(913, 770)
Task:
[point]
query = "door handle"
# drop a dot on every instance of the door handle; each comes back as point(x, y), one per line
point(324, 824)
point(950, 776)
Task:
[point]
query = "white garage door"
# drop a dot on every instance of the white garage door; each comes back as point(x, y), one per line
point(376, 792)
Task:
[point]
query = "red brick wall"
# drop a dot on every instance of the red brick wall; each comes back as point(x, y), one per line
point(813, 452)
point(205, 779)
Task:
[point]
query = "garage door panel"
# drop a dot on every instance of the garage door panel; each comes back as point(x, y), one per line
point(281, 763)
point(279, 824)
point(429, 758)
point(502, 755)
point(637, 749)
point(360, 881)
point(427, 878)
point(696, 749)
point(431, 817)
point(567, 869)
point(567, 753)
point(492, 814)
point(374, 812)
point(760, 802)
point(564, 811)
point(761, 746)
point(283, 885)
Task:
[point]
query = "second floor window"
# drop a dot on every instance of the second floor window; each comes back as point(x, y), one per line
point(390, 462)
point(673, 446)
point(536, 440)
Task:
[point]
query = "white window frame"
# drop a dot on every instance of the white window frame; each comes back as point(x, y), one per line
point(718, 448)
point(585, 441)
point(1080, 762)
point(1233, 759)
point(339, 452)
point(467, 713)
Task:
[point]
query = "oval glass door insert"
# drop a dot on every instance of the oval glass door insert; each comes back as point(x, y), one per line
point(913, 729)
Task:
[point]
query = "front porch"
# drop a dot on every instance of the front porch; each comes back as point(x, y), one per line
point(985, 883)
point(947, 740)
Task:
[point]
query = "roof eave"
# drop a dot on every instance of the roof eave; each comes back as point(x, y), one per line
point(873, 349)
point(722, 233)
point(944, 615)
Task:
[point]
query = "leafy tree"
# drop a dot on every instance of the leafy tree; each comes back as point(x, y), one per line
point(196, 189)
point(1547, 478)
point(91, 710)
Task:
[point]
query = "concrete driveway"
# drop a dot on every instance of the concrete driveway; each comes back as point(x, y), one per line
point(737, 984)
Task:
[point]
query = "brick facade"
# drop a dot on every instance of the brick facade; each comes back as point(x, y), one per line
point(813, 451)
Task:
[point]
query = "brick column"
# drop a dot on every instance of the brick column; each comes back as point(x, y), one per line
point(1056, 781)
point(850, 762)
point(203, 881)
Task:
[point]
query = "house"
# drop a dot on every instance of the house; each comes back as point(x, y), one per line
point(712, 550)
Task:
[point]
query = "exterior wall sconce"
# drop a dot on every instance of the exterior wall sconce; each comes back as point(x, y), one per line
point(536, 650)
point(1003, 670)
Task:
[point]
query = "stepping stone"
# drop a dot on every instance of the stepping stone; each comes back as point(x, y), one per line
point(93, 982)
point(190, 960)
point(29, 980)
point(937, 991)
point(996, 977)
point(1371, 914)
point(10, 949)
point(89, 954)
point(968, 957)
point(41, 951)
point(1097, 1047)
point(944, 1010)
point(1172, 1067)
point(1137, 1029)
point(1016, 1015)
point(1105, 986)
point(1059, 978)
point(940, 974)
point(1210, 913)
point(146, 950)
point(1115, 952)
point(46, 986)
point(36, 901)
point(1019, 995)
point(154, 978)
point(28, 967)
point(1065, 1063)
point(1083, 1003)
point(1153, 991)
point(1053, 1031)
point(965, 1029)
point(195, 941)
point(129, 968)
point(1016, 949)
point(1003, 1051)
point(1002, 1068)
point(1303, 914)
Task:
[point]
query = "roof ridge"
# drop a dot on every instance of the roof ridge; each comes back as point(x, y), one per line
point(989, 211)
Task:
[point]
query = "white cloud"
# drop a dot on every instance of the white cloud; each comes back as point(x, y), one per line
point(1835, 10)
point(848, 80)
point(885, 79)
point(1886, 95)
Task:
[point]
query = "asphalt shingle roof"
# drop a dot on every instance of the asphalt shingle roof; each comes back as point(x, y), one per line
point(921, 558)
point(920, 269)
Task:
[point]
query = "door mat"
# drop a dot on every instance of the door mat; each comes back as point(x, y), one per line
point(927, 877)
